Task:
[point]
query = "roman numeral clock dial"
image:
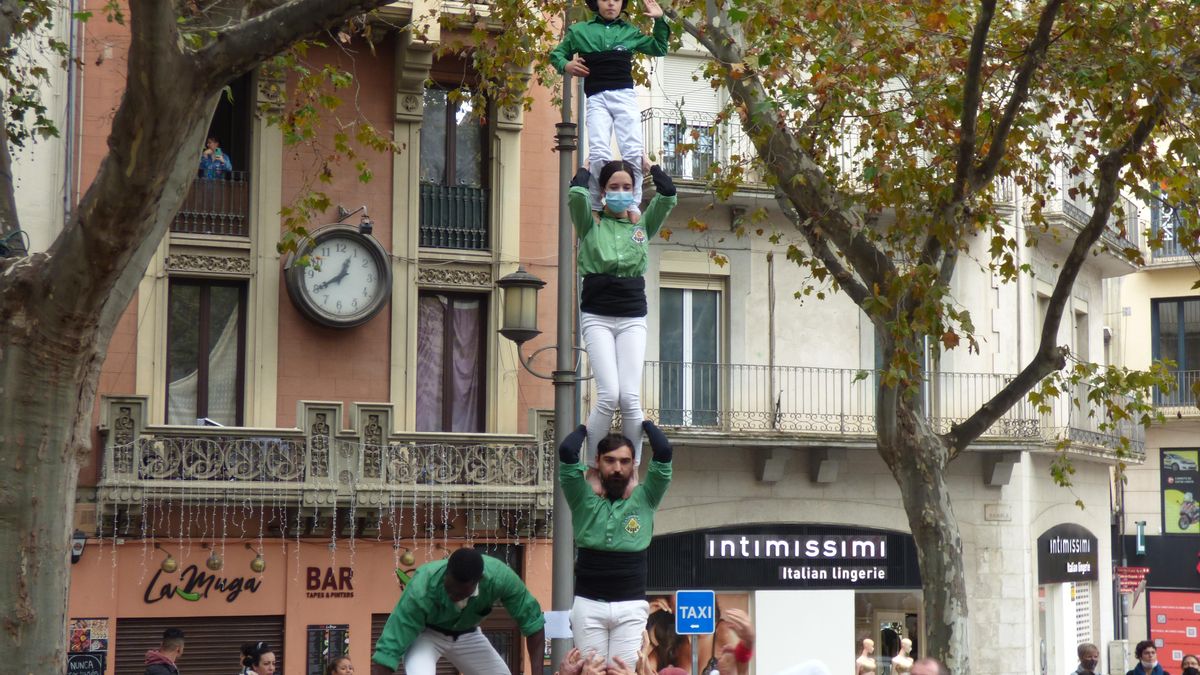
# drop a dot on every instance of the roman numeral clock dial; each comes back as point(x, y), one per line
point(347, 280)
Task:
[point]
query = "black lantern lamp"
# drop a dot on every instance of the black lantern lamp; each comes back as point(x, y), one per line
point(520, 305)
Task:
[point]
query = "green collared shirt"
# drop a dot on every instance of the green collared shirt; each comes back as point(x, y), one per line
point(424, 602)
point(599, 35)
point(614, 245)
point(621, 525)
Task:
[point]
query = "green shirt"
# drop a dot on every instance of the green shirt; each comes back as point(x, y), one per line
point(614, 245)
point(606, 525)
point(599, 35)
point(424, 602)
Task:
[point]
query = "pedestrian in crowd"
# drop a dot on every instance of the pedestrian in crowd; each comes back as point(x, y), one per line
point(439, 615)
point(214, 163)
point(929, 666)
point(1089, 658)
point(258, 658)
point(612, 533)
point(1147, 656)
point(340, 666)
point(161, 661)
point(1189, 661)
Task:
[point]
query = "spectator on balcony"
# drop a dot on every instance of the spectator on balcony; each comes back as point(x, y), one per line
point(612, 533)
point(612, 259)
point(440, 611)
point(601, 52)
point(214, 163)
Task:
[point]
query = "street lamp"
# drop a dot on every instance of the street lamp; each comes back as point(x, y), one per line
point(520, 306)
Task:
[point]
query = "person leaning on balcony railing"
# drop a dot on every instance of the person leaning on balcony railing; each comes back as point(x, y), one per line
point(601, 52)
point(612, 259)
point(214, 163)
point(612, 533)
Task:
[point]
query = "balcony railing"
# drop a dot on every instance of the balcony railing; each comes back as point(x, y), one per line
point(318, 464)
point(216, 206)
point(686, 143)
point(1167, 224)
point(1180, 399)
point(454, 216)
point(1071, 199)
point(822, 402)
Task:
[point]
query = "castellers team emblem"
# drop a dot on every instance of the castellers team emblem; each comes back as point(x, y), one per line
point(632, 526)
point(638, 236)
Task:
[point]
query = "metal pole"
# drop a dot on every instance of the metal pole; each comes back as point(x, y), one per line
point(563, 548)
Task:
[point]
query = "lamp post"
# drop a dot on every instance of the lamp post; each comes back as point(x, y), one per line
point(520, 307)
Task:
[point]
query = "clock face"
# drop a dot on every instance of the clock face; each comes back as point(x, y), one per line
point(347, 279)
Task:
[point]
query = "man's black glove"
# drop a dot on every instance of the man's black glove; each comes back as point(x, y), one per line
point(658, 441)
point(662, 182)
point(568, 450)
point(583, 177)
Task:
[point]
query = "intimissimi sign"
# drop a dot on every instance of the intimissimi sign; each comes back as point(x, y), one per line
point(1067, 552)
point(783, 556)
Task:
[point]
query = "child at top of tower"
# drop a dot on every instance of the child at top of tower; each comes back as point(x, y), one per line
point(601, 52)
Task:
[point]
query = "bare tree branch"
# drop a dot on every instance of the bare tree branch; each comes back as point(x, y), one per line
point(1035, 53)
point(820, 248)
point(1050, 356)
point(240, 48)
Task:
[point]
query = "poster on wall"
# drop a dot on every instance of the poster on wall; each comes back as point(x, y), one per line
point(1174, 617)
point(326, 643)
point(667, 648)
point(1180, 490)
point(87, 635)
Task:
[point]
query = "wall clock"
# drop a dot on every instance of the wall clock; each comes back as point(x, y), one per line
point(347, 280)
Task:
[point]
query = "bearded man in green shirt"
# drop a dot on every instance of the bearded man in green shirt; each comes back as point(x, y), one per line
point(439, 615)
point(612, 533)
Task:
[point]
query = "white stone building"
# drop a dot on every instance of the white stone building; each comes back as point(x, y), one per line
point(775, 439)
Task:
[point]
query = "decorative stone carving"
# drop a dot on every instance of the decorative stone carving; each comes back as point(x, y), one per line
point(443, 464)
point(123, 428)
point(208, 263)
point(320, 446)
point(222, 459)
point(373, 447)
point(455, 276)
point(410, 103)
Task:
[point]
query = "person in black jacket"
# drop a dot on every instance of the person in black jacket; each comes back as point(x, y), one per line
point(161, 661)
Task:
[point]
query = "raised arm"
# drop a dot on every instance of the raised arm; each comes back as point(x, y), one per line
point(664, 201)
point(657, 43)
point(570, 469)
point(658, 477)
point(579, 203)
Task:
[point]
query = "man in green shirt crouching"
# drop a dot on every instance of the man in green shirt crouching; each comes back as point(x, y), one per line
point(612, 534)
point(439, 615)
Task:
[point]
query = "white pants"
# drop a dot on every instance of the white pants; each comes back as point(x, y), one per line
point(616, 347)
point(609, 628)
point(608, 111)
point(471, 653)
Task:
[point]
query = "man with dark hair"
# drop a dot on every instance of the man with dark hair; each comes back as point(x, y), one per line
point(929, 666)
point(161, 661)
point(439, 615)
point(612, 533)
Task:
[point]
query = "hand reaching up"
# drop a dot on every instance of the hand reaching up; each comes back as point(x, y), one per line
point(652, 9)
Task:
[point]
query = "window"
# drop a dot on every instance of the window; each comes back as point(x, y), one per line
point(689, 351)
point(1176, 328)
point(451, 362)
point(218, 202)
point(206, 351)
point(454, 199)
point(688, 151)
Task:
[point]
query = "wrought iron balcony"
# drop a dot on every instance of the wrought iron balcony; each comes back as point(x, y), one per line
point(741, 401)
point(686, 143)
point(454, 216)
point(319, 465)
point(218, 206)
point(1180, 400)
point(1070, 200)
point(1167, 226)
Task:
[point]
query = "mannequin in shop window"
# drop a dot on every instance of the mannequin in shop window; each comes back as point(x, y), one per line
point(902, 662)
point(865, 663)
point(1147, 656)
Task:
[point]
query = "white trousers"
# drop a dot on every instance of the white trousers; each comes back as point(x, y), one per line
point(616, 348)
point(609, 111)
point(471, 653)
point(609, 628)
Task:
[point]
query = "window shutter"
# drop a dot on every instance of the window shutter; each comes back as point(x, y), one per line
point(212, 644)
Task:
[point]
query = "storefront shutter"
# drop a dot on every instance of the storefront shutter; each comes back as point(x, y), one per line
point(212, 644)
point(1082, 599)
point(499, 628)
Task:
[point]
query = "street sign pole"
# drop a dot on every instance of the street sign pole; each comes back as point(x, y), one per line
point(695, 614)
